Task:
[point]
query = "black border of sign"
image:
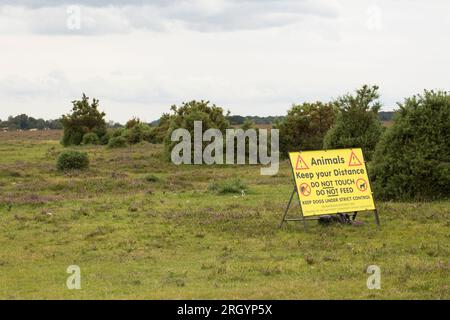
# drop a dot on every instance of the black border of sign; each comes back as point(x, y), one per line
point(317, 217)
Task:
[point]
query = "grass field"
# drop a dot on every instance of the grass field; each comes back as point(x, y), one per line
point(140, 227)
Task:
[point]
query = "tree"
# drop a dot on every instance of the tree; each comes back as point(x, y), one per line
point(412, 159)
point(21, 121)
point(357, 123)
point(305, 126)
point(85, 118)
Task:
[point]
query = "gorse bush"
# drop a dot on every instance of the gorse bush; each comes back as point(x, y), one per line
point(137, 133)
point(134, 132)
point(117, 142)
point(412, 160)
point(228, 186)
point(305, 127)
point(357, 123)
point(85, 118)
point(70, 160)
point(132, 123)
point(105, 139)
point(90, 138)
point(160, 131)
point(184, 117)
point(117, 132)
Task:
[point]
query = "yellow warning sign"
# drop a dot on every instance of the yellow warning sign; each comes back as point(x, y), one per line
point(331, 181)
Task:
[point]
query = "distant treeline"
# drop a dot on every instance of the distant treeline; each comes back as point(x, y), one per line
point(386, 115)
point(24, 122)
point(238, 120)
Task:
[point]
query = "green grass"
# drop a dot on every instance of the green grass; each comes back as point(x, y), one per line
point(140, 227)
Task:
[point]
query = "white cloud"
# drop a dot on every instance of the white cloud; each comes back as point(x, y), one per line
point(98, 17)
point(253, 57)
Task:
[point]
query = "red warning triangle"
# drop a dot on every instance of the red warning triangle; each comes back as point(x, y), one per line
point(354, 161)
point(301, 164)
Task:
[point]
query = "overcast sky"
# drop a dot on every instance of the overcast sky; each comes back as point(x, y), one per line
point(253, 57)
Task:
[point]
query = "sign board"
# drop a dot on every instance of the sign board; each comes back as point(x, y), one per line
point(331, 181)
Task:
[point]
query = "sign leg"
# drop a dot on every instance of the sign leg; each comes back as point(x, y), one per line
point(287, 207)
point(377, 218)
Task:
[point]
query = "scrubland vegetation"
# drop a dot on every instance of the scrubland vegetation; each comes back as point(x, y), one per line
point(110, 201)
point(140, 227)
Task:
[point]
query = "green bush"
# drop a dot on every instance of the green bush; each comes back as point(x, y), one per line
point(105, 139)
point(137, 133)
point(412, 160)
point(71, 137)
point(117, 142)
point(228, 186)
point(90, 138)
point(357, 123)
point(117, 132)
point(69, 160)
point(305, 126)
point(184, 117)
point(160, 131)
point(132, 122)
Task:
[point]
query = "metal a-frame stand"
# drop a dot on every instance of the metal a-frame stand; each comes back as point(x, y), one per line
point(304, 219)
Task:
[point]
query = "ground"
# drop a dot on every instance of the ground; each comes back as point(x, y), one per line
point(140, 227)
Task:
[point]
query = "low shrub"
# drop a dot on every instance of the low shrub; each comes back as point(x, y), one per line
point(137, 133)
point(90, 138)
point(117, 142)
point(70, 160)
point(227, 186)
point(117, 132)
